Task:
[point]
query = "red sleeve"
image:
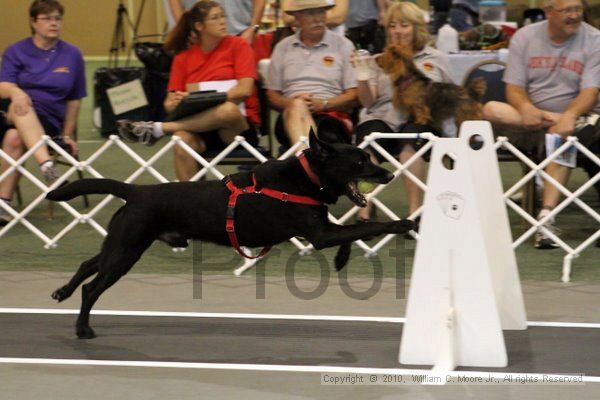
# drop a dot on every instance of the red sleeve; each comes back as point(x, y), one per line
point(244, 60)
point(177, 77)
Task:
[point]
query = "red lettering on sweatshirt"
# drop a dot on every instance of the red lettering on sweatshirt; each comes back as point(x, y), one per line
point(543, 62)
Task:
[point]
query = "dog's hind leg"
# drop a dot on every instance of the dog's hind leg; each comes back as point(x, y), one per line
point(116, 260)
point(86, 269)
point(468, 111)
point(91, 291)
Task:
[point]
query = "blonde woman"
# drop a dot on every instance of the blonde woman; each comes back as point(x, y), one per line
point(405, 24)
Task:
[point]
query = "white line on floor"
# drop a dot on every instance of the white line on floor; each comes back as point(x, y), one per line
point(342, 318)
point(297, 368)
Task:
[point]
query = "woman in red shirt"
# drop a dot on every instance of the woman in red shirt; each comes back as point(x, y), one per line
point(204, 53)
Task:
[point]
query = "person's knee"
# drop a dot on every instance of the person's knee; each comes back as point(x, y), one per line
point(12, 143)
point(229, 112)
point(297, 107)
point(12, 112)
point(191, 140)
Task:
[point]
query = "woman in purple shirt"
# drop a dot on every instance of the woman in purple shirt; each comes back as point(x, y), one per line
point(42, 82)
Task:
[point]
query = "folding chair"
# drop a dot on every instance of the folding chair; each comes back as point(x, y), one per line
point(59, 161)
point(241, 156)
point(492, 72)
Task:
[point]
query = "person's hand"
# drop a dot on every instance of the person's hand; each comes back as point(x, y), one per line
point(175, 98)
point(68, 140)
point(302, 96)
point(21, 103)
point(316, 105)
point(564, 127)
point(178, 96)
point(363, 65)
point(533, 117)
point(550, 119)
point(248, 35)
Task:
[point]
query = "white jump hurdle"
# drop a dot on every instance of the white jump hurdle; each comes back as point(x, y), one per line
point(465, 286)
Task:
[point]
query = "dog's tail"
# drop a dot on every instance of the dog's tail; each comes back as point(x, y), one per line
point(477, 88)
point(91, 186)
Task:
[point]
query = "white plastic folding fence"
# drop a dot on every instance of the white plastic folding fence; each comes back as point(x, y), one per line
point(501, 142)
point(371, 141)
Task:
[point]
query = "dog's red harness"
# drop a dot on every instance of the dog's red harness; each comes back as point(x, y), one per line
point(275, 194)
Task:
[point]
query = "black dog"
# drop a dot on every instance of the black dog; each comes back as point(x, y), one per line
point(176, 212)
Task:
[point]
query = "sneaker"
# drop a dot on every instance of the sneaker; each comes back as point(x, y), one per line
point(517, 198)
point(541, 240)
point(5, 217)
point(137, 131)
point(587, 119)
point(587, 129)
point(50, 175)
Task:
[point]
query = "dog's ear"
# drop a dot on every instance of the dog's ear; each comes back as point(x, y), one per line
point(319, 148)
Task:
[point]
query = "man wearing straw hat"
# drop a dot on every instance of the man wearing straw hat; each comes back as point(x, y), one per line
point(310, 81)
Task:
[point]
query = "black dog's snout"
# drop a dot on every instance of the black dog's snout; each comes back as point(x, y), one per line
point(388, 177)
point(379, 175)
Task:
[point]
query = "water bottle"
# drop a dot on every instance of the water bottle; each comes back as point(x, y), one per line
point(447, 39)
point(363, 69)
point(362, 53)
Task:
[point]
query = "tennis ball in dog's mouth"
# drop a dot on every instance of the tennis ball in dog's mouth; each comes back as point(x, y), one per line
point(366, 187)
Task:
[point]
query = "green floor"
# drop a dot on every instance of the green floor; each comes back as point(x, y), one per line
point(21, 250)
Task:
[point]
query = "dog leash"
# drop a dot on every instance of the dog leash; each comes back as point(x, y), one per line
point(275, 194)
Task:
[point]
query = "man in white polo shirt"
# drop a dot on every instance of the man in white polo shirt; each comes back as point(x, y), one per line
point(310, 79)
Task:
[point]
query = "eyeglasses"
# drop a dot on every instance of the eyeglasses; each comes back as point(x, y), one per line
point(569, 10)
point(55, 18)
point(216, 17)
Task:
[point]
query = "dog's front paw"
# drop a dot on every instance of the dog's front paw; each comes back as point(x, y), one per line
point(85, 332)
point(403, 225)
point(60, 294)
point(342, 256)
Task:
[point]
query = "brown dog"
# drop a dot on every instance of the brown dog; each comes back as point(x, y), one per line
point(426, 102)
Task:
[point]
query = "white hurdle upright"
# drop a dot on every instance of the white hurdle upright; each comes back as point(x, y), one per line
point(465, 286)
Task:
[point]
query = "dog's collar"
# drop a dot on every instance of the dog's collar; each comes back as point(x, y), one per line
point(308, 170)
